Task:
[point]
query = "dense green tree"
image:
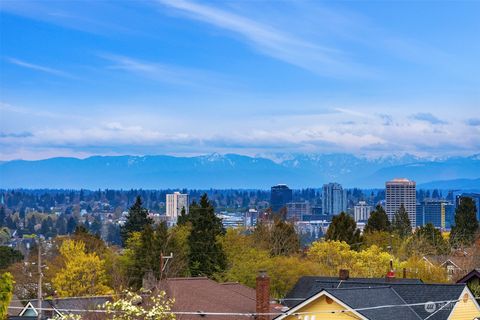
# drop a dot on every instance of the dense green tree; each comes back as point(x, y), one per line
point(47, 228)
point(206, 255)
point(4, 235)
point(344, 228)
point(96, 225)
point(183, 218)
point(6, 292)
point(31, 224)
point(137, 219)
point(10, 223)
point(61, 225)
point(433, 237)
point(146, 251)
point(71, 225)
point(466, 223)
point(113, 234)
point(9, 256)
point(401, 222)
point(378, 220)
point(2, 216)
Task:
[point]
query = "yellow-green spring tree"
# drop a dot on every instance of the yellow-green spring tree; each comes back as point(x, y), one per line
point(83, 274)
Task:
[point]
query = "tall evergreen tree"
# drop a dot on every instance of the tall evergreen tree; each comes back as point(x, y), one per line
point(378, 220)
point(183, 218)
point(344, 228)
point(2, 216)
point(147, 255)
point(61, 225)
point(137, 219)
point(113, 234)
point(206, 255)
point(71, 225)
point(401, 222)
point(466, 223)
point(96, 225)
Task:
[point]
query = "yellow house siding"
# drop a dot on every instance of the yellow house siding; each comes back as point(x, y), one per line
point(319, 309)
point(465, 310)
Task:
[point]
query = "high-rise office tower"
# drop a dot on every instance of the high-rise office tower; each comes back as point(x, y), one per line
point(401, 192)
point(435, 211)
point(334, 199)
point(280, 195)
point(175, 203)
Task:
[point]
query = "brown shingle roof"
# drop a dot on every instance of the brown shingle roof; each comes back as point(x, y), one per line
point(203, 294)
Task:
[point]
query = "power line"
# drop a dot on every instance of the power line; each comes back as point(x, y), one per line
point(252, 314)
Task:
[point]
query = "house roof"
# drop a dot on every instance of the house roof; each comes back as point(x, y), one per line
point(15, 306)
point(412, 293)
point(362, 298)
point(475, 273)
point(365, 293)
point(309, 285)
point(203, 294)
point(69, 305)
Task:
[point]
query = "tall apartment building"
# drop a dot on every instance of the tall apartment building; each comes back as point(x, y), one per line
point(280, 195)
point(440, 213)
point(334, 199)
point(398, 192)
point(361, 211)
point(175, 203)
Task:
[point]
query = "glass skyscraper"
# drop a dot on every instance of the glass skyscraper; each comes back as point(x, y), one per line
point(334, 199)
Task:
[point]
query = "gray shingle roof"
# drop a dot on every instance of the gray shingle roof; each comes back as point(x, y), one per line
point(365, 292)
point(358, 298)
point(412, 293)
point(307, 286)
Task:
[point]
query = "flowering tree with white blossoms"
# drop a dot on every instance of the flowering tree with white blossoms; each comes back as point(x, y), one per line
point(133, 307)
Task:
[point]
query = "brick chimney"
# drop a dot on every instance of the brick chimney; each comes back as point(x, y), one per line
point(262, 295)
point(343, 274)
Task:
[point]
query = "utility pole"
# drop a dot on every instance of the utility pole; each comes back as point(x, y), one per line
point(40, 276)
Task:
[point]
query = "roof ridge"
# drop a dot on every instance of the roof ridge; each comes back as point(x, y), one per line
point(356, 288)
point(188, 278)
point(393, 289)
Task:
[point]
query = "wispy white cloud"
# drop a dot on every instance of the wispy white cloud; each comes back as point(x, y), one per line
point(271, 41)
point(36, 67)
point(160, 72)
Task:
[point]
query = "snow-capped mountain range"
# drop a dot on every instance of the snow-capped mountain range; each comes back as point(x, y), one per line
point(234, 171)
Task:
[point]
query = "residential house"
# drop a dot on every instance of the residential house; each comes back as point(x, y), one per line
point(472, 279)
point(456, 265)
point(318, 298)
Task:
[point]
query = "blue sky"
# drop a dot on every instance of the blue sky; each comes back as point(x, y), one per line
point(372, 78)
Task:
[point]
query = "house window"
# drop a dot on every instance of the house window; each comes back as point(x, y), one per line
point(450, 270)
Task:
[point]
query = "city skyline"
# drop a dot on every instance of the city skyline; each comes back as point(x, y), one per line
point(188, 78)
